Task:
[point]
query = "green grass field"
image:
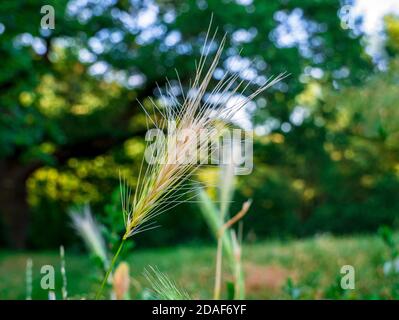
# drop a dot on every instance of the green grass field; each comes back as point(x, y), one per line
point(307, 268)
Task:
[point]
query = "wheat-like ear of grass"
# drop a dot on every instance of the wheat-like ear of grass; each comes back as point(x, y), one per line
point(90, 230)
point(170, 168)
point(165, 289)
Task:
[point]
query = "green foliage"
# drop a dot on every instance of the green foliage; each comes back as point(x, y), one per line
point(65, 131)
point(291, 290)
point(279, 277)
point(388, 237)
point(392, 30)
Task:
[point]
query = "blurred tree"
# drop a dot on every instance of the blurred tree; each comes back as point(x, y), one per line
point(336, 168)
point(70, 93)
point(392, 31)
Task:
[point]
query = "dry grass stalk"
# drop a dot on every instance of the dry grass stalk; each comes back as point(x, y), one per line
point(219, 251)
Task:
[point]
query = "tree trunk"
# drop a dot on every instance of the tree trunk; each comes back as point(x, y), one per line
point(14, 208)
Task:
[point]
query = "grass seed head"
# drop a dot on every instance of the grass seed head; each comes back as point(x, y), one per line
point(196, 114)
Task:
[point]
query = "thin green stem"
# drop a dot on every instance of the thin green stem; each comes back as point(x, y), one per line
point(218, 273)
point(239, 282)
point(110, 268)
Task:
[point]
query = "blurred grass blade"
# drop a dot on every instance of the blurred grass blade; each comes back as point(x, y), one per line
point(212, 218)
